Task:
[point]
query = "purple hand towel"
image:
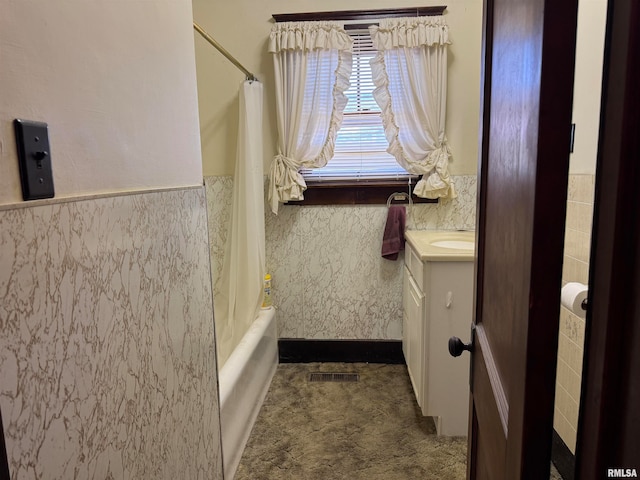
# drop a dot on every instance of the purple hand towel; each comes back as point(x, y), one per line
point(393, 238)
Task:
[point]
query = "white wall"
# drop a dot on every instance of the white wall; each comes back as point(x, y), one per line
point(107, 359)
point(115, 81)
point(592, 16)
point(243, 26)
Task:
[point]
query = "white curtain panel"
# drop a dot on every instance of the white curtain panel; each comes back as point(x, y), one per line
point(243, 268)
point(410, 74)
point(312, 62)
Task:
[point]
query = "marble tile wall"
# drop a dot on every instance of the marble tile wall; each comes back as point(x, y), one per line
point(571, 338)
point(107, 356)
point(328, 278)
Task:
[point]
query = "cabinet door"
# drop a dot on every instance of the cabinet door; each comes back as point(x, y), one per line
point(414, 311)
point(449, 313)
point(405, 312)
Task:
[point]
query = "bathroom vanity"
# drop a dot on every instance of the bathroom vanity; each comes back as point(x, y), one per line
point(438, 302)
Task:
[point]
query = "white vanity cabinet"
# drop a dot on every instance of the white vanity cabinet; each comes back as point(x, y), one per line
point(438, 302)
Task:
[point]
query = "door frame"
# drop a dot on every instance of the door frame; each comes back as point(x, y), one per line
point(609, 419)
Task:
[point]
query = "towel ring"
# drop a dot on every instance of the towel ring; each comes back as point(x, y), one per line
point(399, 196)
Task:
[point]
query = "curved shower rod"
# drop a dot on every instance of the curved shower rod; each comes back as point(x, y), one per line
point(250, 76)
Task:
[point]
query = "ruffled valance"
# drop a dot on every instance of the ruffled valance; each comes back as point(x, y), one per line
point(307, 36)
point(409, 32)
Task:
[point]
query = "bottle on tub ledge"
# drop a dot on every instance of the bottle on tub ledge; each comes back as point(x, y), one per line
point(266, 292)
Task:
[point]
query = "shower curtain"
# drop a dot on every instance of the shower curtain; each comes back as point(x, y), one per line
point(240, 296)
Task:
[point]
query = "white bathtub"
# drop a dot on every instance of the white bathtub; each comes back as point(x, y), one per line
point(244, 381)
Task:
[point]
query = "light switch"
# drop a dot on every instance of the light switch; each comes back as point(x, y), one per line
point(34, 158)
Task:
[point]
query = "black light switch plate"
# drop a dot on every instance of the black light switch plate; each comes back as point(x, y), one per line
point(34, 158)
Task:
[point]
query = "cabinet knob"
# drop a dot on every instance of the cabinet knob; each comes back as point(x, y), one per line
point(456, 347)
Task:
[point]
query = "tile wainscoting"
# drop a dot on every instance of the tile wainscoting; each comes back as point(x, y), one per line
point(577, 249)
point(329, 280)
point(107, 355)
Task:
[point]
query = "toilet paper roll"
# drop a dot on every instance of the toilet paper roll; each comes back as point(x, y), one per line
point(573, 294)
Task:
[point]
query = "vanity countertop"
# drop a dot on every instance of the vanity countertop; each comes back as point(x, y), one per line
point(442, 245)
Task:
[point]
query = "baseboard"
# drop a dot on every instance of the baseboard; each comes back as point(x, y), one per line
point(292, 350)
point(562, 458)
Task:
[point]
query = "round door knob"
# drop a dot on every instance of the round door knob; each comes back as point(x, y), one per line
point(456, 347)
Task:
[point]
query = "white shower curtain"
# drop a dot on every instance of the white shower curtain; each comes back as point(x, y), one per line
point(240, 295)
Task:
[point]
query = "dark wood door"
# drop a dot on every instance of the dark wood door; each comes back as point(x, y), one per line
point(528, 64)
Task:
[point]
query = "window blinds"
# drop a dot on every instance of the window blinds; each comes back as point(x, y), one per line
point(360, 148)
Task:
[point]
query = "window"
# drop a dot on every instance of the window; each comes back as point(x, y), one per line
point(360, 152)
point(363, 172)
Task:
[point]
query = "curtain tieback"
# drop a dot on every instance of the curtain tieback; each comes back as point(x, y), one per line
point(285, 183)
point(282, 162)
point(284, 173)
point(439, 157)
point(436, 182)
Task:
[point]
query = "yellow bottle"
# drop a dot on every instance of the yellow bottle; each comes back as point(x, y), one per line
point(266, 292)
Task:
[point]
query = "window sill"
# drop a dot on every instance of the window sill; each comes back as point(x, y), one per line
point(369, 193)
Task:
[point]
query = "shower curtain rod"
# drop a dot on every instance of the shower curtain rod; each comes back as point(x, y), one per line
point(250, 76)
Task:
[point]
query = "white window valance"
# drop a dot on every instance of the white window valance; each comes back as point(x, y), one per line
point(308, 36)
point(410, 32)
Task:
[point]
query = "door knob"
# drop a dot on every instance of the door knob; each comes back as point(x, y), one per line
point(456, 347)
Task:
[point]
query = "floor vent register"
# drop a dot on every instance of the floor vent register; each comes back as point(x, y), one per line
point(334, 377)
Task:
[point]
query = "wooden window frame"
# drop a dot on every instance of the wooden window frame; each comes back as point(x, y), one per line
point(372, 15)
point(363, 192)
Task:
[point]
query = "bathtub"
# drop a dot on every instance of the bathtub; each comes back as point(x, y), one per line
point(244, 380)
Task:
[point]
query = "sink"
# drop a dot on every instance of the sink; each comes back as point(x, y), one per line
point(442, 245)
point(454, 244)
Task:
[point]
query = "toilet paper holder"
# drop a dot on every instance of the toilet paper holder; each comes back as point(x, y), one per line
point(574, 297)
